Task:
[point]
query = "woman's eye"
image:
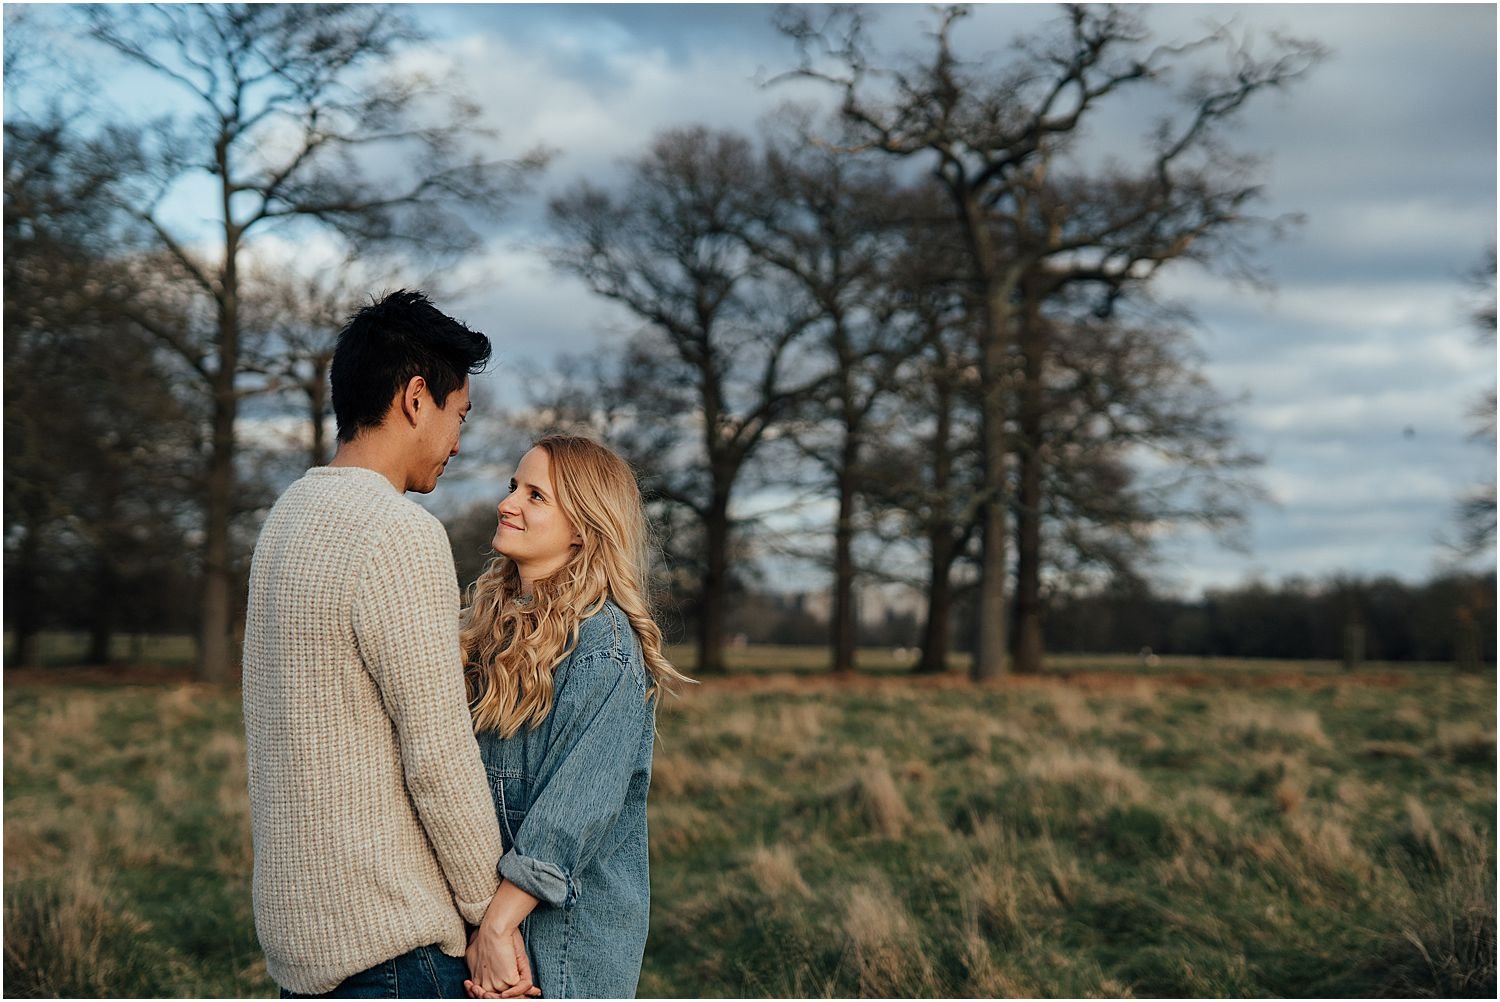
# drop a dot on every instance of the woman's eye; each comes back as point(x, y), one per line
point(536, 495)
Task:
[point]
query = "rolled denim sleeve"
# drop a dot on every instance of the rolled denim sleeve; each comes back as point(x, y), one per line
point(599, 722)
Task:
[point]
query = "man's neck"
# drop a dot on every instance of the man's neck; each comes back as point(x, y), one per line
point(368, 452)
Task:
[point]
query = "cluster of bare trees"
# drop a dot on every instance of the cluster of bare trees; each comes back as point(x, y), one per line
point(971, 355)
point(932, 312)
point(292, 121)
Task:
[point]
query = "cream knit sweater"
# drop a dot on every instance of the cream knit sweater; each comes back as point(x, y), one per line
point(373, 827)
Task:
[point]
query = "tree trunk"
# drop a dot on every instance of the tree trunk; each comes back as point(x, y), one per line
point(23, 644)
point(213, 638)
point(1028, 635)
point(214, 661)
point(23, 604)
point(994, 290)
point(989, 654)
point(102, 623)
point(715, 589)
point(941, 548)
point(842, 621)
point(105, 583)
point(317, 408)
point(939, 601)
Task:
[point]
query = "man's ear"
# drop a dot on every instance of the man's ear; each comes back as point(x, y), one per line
point(414, 396)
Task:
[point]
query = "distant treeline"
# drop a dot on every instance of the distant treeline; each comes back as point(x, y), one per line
point(1450, 618)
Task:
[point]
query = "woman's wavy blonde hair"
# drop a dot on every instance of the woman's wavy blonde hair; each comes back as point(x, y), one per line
point(511, 649)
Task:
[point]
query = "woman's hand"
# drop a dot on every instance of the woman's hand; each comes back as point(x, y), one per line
point(498, 965)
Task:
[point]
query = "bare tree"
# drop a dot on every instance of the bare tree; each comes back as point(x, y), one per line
point(710, 375)
point(828, 225)
point(928, 448)
point(291, 109)
point(1129, 437)
point(992, 134)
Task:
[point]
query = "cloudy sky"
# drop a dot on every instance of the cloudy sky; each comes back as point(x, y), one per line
point(1356, 371)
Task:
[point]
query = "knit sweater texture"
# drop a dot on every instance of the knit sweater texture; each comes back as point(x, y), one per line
point(373, 827)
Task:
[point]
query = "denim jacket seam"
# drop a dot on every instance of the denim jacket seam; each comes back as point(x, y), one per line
point(618, 623)
point(622, 660)
point(614, 621)
point(569, 917)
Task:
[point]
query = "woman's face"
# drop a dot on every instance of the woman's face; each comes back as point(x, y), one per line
point(533, 531)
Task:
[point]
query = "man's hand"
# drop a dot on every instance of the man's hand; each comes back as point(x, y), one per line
point(498, 965)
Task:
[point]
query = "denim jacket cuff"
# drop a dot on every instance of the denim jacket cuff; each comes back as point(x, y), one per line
point(543, 881)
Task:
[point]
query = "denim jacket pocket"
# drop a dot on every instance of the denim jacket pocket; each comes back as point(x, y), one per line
point(511, 791)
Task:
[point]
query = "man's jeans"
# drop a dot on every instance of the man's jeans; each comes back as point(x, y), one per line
point(424, 973)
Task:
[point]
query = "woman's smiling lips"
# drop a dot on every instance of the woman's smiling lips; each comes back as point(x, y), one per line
point(506, 525)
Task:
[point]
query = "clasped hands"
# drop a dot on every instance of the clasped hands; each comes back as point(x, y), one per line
point(499, 967)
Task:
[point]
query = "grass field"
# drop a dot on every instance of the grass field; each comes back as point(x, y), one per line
point(1251, 830)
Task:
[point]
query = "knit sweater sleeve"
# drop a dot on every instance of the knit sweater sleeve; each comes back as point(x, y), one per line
point(406, 610)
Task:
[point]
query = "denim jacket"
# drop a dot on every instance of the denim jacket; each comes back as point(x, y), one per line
point(571, 800)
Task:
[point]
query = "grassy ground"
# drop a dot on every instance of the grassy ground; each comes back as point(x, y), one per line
point(1229, 832)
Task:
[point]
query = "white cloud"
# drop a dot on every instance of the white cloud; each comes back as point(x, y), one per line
point(1324, 487)
point(534, 94)
point(1355, 413)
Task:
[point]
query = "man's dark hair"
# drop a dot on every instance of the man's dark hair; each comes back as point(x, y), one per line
point(385, 344)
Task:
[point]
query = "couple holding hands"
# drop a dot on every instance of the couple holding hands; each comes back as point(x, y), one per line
point(448, 797)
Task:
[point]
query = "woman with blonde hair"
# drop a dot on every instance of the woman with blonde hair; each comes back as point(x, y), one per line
point(564, 665)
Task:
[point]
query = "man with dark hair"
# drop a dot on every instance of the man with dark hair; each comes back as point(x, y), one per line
point(402, 344)
point(374, 832)
point(386, 345)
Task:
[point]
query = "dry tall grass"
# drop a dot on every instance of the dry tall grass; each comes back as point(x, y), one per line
point(887, 955)
point(56, 937)
point(884, 808)
point(774, 870)
point(1099, 770)
point(1248, 720)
